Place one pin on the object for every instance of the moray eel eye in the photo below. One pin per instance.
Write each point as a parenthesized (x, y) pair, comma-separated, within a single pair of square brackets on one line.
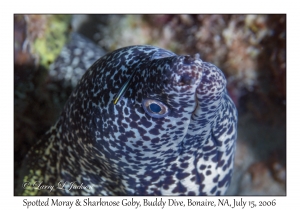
[(155, 108)]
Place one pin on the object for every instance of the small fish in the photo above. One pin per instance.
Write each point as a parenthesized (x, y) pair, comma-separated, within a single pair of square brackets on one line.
[(141, 121)]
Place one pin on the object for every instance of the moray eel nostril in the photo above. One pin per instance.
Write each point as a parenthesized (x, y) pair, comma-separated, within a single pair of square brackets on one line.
[(188, 60)]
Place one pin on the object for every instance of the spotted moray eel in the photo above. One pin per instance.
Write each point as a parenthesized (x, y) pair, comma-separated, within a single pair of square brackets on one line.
[(141, 121)]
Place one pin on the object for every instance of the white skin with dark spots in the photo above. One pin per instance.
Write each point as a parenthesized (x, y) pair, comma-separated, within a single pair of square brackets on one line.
[(123, 149)]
